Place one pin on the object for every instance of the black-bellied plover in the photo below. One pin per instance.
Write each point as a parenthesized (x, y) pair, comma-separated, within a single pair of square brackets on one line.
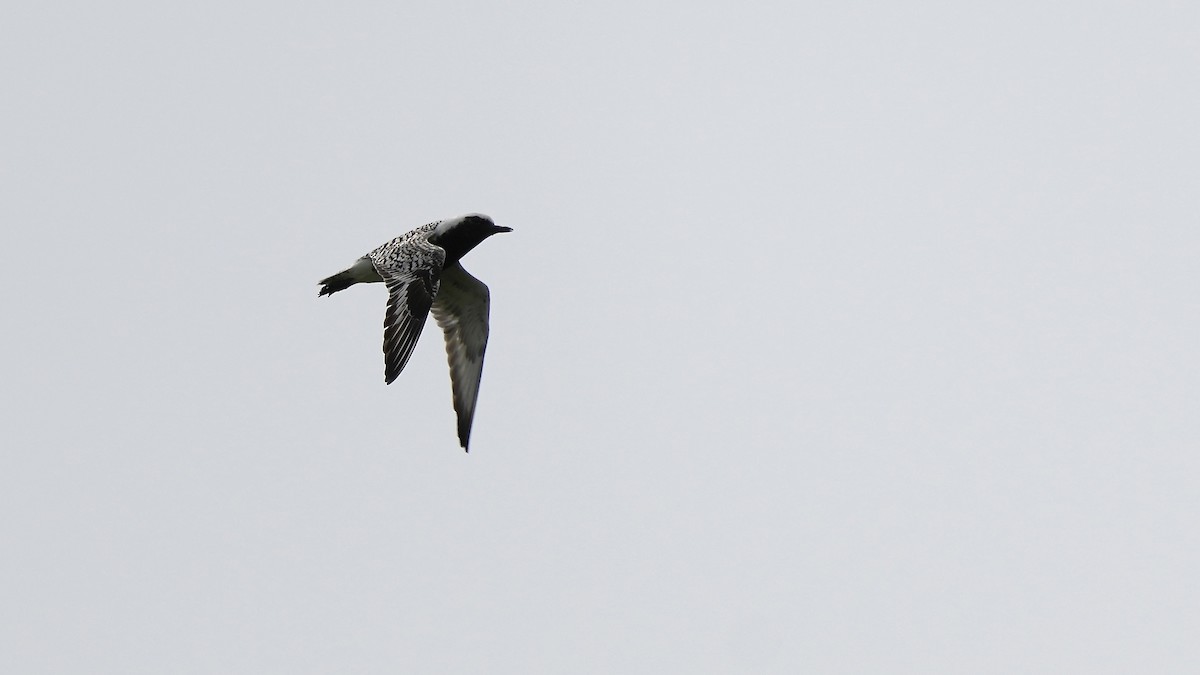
[(422, 272)]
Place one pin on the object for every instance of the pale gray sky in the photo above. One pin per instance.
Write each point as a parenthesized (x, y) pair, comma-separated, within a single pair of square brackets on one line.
[(833, 338)]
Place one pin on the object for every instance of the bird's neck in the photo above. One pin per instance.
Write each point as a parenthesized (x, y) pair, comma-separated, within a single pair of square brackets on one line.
[(456, 244)]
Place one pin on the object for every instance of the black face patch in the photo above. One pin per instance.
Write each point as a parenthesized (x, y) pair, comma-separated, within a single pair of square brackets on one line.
[(463, 236)]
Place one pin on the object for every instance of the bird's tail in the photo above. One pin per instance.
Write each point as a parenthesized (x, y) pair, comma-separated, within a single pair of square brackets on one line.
[(338, 282)]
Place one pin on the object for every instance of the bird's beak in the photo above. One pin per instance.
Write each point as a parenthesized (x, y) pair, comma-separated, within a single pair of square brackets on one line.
[(501, 228)]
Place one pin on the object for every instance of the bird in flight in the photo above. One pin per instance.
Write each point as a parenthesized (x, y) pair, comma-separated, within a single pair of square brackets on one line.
[(422, 272)]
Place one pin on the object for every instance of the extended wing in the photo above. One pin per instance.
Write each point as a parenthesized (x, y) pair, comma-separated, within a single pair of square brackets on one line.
[(411, 273), (461, 309)]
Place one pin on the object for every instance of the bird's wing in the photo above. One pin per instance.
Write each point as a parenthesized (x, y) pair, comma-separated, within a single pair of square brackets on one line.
[(461, 309), (411, 272)]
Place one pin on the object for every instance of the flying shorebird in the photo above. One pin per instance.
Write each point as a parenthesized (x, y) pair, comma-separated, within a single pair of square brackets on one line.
[(422, 274)]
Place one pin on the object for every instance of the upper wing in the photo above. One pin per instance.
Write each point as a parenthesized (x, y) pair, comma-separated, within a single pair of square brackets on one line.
[(411, 273), (461, 309)]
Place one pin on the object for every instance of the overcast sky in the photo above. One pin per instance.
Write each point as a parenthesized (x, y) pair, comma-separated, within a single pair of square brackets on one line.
[(840, 337)]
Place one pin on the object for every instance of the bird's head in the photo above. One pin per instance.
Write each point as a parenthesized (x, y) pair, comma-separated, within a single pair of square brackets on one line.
[(459, 235)]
